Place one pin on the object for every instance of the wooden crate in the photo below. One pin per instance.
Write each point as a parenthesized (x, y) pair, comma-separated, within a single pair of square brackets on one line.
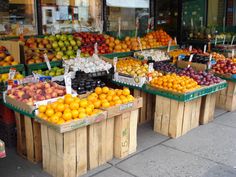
[(174, 118), (207, 108), (29, 143), (226, 99), (64, 154), (146, 112), (13, 48)]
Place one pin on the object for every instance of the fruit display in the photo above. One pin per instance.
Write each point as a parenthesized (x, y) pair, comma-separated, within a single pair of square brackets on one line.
[(104, 97), (83, 85), (55, 71), (161, 36), (89, 65), (87, 51), (226, 66), (156, 55), (67, 109), (218, 56), (5, 57), (64, 45), (166, 67), (197, 58), (4, 77), (154, 75), (132, 67), (33, 92), (202, 78), (175, 83)]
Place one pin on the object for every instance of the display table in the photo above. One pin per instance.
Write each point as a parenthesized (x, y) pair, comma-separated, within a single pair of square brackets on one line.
[(2, 149)]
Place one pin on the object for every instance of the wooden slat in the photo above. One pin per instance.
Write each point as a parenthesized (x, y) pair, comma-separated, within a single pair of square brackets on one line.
[(81, 148), (149, 110), (166, 116), (59, 154), (45, 147), (109, 138), (19, 135), (133, 131), (93, 146), (158, 114), (29, 138), (52, 152), (69, 154), (102, 143), (37, 142), (144, 108), (187, 117), (174, 110), (121, 146), (196, 113)]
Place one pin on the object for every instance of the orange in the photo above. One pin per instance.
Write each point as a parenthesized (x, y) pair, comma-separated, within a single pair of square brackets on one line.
[(125, 100), (74, 105), (75, 114), (105, 89), (42, 108), (102, 96), (81, 110), (60, 107), (94, 95), (117, 102), (83, 103), (82, 115), (112, 103), (49, 106), (91, 106), (89, 110), (54, 119), (59, 114), (67, 110), (41, 115), (105, 104), (66, 106), (111, 92), (109, 98), (69, 100), (115, 98), (49, 112), (91, 98), (126, 91), (61, 121), (98, 90), (60, 100), (67, 116), (97, 104), (67, 96), (76, 100), (119, 92), (54, 105), (130, 98)]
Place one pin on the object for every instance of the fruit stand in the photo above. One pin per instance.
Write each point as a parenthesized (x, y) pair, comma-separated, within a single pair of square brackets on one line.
[(2, 149)]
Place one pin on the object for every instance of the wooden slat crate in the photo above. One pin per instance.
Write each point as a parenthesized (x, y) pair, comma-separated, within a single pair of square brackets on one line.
[(64, 154), (29, 143), (174, 118), (226, 99), (207, 108), (147, 111)]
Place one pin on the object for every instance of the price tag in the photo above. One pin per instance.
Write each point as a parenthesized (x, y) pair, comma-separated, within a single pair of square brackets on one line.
[(232, 41), (190, 60), (67, 68), (96, 48), (233, 52), (169, 45), (115, 59), (140, 44), (119, 26), (175, 39), (216, 40), (12, 73), (224, 40), (205, 48), (190, 48), (209, 63), (67, 78), (78, 53), (47, 61), (150, 67)]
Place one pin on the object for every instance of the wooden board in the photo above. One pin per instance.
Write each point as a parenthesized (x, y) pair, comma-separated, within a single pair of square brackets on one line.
[(174, 118), (207, 108), (110, 123), (133, 131)]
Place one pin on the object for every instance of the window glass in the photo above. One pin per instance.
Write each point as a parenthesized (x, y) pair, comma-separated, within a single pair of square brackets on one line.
[(16, 17), (71, 15)]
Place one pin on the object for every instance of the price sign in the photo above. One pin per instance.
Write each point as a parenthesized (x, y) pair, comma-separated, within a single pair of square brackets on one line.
[(119, 26), (190, 60), (96, 48), (169, 45), (233, 53), (232, 41), (209, 63), (12, 73), (205, 48), (140, 44), (47, 61), (224, 40), (216, 40), (190, 48), (67, 78), (150, 67), (115, 59)]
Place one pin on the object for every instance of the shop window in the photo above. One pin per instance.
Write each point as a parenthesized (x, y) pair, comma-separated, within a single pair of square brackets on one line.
[(71, 15), (17, 17)]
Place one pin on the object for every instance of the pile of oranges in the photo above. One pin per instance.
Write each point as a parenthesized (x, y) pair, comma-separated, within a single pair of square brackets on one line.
[(67, 109), (106, 97), (161, 36), (175, 83)]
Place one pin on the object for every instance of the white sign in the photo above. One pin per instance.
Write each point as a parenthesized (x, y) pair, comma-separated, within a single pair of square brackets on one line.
[(47, 61), (129, 4)]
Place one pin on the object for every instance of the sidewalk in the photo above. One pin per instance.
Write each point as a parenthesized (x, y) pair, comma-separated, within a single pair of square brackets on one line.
[(207, 151)]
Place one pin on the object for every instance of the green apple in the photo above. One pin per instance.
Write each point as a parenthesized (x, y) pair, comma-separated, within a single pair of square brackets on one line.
[(54, 44), (58, 36), (63, 49), (70, 52), (75, 48), (72, 42), (61, 44), (63, 37), (65, 57), (57, 49), (67, 43), (48, 46), (70, 48), (78, 43)]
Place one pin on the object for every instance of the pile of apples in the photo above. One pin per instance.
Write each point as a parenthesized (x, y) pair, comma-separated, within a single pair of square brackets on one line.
[(5, 57), (226, 66), (35, 48), (34, 92)]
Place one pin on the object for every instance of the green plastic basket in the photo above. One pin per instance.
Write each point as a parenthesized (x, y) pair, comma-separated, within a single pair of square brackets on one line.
[(20, 68), (32, 67)]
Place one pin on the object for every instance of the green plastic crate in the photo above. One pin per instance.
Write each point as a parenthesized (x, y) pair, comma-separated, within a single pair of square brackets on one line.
[(32, 67), (20, 68)]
